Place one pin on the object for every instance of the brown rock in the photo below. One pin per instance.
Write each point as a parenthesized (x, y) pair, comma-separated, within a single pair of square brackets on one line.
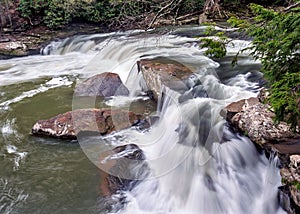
[(103, 85), (256, 121), (163, 71), (239, 106), (69, 124)]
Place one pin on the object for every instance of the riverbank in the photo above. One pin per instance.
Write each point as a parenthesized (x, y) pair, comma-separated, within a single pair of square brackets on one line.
[(30, 42)]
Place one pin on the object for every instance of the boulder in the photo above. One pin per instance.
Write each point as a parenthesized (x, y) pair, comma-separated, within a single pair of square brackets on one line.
[(162, 71), (237, 107), (102, 85), (69, 124), (255, 119)]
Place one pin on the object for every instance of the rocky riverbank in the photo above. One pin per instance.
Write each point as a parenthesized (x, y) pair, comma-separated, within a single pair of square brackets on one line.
[(254, 119)]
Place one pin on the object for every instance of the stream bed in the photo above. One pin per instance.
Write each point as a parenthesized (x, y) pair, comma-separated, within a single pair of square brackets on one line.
[(198, 164)]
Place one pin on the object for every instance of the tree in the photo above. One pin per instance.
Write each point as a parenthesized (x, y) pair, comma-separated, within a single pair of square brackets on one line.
[(276, 43)]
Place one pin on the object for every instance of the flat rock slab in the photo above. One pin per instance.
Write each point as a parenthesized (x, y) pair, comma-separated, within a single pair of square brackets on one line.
[(102, 85), (161, 71), (69, 124)]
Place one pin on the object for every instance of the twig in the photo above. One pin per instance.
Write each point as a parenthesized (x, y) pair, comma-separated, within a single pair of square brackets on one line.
[(185, 21), (188, 15), (291, 7)]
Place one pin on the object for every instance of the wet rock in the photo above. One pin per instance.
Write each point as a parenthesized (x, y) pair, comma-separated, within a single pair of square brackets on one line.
[(122, 168), (286, 201), (103, 85), (162, 71), (236, 107), (291, 179), (69, 124)]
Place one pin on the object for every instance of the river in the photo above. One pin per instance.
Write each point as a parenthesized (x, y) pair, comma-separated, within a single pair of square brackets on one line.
[(198, 165)]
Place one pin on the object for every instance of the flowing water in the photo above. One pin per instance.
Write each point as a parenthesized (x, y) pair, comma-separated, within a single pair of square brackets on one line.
[(197, 164)]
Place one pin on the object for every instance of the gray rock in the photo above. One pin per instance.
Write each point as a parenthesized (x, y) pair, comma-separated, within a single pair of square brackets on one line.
[(102, 85)]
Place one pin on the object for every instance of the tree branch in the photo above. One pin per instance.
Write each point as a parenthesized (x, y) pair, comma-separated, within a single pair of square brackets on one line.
[(291, 7), (159, 12)]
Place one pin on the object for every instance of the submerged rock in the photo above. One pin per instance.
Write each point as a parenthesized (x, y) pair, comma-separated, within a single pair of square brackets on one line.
[(121, 168), (161, 72), (69, 124), (103, 85)]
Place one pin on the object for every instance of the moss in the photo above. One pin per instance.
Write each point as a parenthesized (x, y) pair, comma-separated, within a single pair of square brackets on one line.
[(296, 184)]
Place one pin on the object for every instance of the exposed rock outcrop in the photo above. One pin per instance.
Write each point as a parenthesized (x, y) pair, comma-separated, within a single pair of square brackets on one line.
[(69, 124), (103, 85), (291, 179)]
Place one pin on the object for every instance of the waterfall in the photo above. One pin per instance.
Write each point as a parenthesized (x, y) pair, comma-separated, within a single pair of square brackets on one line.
[(197, 163)]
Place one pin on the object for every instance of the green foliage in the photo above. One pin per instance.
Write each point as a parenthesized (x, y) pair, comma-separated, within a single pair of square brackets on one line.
[(294, 183), (285, 94), (276, 43), (216, 47), (55, 13), (29, 8)]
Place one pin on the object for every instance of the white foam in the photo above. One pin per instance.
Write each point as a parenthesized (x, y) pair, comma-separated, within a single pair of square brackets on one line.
[(17, 156), (119, 101)]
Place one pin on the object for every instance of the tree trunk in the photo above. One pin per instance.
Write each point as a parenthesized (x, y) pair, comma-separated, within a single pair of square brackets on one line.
[(2, 17), (8, 12), (211, 7)]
